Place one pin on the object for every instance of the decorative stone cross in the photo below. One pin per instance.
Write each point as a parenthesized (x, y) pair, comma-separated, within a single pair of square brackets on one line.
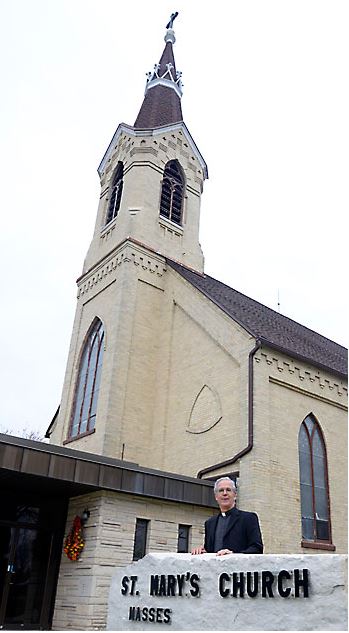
[(172, 19)]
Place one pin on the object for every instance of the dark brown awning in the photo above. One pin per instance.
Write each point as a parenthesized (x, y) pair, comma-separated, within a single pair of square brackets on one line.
[(49, 469)]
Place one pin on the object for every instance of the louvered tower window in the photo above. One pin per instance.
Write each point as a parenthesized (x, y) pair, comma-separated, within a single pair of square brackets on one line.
[(171, 202), (115, 194), (88, 381), (315, 503)]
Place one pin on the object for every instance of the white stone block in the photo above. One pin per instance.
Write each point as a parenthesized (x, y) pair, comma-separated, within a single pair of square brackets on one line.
[(165, 591)]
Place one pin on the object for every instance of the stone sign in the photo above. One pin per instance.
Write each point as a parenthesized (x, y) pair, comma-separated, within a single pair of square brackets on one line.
[(165, 591)]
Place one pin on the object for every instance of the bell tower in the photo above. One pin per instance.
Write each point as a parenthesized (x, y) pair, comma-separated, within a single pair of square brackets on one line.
[(152, 176)]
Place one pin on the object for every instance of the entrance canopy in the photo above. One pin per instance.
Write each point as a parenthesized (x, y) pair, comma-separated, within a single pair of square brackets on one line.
[(46, 468)]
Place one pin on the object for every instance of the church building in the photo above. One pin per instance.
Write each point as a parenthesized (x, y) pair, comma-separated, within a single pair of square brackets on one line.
[(173, 379)]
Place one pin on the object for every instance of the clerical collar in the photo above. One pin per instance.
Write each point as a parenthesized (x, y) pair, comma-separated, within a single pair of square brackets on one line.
[(226, 514)]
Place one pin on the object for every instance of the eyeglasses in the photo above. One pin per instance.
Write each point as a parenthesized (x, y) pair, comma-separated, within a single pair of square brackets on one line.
[(221, 490)]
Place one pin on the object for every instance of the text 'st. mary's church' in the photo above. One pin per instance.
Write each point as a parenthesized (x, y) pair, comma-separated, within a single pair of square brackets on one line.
[(173, 379)]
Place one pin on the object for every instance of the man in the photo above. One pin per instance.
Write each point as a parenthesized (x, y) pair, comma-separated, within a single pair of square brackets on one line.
[(233, 531)]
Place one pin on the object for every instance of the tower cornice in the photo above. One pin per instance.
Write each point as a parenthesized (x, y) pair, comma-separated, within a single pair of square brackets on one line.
[(151, 132)]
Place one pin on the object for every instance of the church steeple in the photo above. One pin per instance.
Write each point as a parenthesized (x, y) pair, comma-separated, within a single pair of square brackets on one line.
[(152, 176), (162, 100)]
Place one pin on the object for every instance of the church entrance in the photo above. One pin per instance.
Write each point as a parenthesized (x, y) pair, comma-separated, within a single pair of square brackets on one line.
[(30, 548)]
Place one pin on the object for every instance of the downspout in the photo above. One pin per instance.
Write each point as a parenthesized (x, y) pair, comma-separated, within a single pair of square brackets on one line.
[(249, 446)]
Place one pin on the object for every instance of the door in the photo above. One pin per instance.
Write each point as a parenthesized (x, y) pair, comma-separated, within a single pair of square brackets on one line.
[(25, 553), (31, 533)]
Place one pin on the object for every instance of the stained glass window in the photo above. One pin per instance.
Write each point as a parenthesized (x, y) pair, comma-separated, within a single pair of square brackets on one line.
[(88, 382), (313, 482)]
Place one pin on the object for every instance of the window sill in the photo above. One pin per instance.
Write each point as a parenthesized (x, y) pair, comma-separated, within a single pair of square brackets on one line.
[(78, 437), (319, 545), (172, 226), (108, 227)]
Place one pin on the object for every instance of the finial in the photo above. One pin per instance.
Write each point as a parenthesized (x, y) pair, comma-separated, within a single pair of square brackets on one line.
[(165, 72), (170, 35), (172, 19)]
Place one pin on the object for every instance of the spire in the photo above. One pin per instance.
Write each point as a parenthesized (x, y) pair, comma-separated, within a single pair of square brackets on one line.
[(163, 91)]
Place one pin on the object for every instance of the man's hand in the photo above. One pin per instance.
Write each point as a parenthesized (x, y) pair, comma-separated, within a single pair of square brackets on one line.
[(223, 552), (198, 550)]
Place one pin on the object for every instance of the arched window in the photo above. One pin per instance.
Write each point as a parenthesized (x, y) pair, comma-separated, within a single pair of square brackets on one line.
[(171, 202), (88, 381), (115, 193), (315, 504)]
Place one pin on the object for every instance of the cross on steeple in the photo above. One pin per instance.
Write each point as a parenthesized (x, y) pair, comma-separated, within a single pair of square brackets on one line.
[(162, 100), (172, 19)]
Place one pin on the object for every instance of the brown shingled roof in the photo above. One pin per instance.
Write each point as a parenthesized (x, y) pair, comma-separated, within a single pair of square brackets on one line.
[(161, 104), (272, 328)]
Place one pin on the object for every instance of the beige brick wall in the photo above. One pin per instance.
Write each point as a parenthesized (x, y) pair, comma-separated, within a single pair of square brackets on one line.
[(83, 586), (168, 354), (174, 358), (285, 393), (203, 353), (106, 305), (173, 364)]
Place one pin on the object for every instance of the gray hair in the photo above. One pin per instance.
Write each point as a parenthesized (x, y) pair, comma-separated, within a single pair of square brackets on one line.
[(232, 483)]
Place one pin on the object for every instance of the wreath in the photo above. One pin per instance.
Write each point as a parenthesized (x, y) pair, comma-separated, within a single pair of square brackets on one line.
[(74, 542)]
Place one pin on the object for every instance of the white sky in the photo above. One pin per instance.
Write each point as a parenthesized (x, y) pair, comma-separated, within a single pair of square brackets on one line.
[(266, 100)]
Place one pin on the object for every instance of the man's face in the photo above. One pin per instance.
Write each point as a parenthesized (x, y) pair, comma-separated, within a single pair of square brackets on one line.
[(225, 495)]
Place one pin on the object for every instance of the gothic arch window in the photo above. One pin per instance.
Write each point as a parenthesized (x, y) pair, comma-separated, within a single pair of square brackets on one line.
[(171, 202), (115, 193), (315, 503), (88, 382)]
